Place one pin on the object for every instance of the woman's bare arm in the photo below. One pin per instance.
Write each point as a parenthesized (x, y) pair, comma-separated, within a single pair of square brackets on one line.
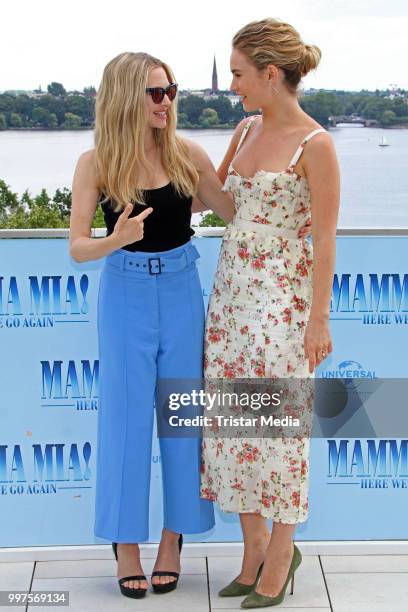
[(210, 187), (322, 171), (198, 205), (85, 197)]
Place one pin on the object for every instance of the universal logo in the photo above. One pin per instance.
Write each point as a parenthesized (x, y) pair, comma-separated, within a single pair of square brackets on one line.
[(349, 370)]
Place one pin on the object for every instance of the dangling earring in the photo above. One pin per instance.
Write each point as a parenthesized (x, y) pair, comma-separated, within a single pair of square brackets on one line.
[(274, 89)]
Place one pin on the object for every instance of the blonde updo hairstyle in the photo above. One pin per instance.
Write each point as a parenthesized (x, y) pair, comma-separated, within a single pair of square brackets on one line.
[(271, 41)]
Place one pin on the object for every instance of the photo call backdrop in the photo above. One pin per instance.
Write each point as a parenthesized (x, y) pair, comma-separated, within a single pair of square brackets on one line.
[(49, 396)]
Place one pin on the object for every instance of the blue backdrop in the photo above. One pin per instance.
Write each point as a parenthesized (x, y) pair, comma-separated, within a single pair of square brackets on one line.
[(49, 396)]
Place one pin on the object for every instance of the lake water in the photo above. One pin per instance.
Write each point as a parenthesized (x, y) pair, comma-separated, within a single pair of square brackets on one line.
[(374, 179)]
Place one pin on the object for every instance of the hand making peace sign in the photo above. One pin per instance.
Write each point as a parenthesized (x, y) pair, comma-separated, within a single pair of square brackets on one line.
[(131, 230)]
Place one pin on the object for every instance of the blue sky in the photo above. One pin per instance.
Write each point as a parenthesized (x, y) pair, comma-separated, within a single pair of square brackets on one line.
[(364, 42)]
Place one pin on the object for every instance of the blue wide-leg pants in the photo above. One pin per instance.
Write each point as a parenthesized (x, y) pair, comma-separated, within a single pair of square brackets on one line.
[(150, 326)]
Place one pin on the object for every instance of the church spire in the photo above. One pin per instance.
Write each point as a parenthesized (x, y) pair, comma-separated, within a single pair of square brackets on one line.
[(214, 87)]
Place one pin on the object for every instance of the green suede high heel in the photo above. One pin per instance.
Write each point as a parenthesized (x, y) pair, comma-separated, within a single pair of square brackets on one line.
[(256, 600), (235, 588)]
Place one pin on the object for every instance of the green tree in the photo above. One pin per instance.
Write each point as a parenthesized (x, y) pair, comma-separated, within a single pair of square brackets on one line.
[(53, 121), (321, 105), (211, 220), (349, 108), (40, 116), (6, 103), (374, 107), (182, 121), (387, 117), (8, 202), (3, 122), (399, 107), (81, 106), (223, 107), (71, 121), (62, 200), (208, 118), (28, 212), (238, 112), (16, 120), (23, 105), (400, 121), (40, 211), (55, 106), (192, 106), (56, 89), (90, 90), (99, 218)]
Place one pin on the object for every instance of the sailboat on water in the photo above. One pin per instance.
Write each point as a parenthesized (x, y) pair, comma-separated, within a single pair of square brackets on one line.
[(383, 142)]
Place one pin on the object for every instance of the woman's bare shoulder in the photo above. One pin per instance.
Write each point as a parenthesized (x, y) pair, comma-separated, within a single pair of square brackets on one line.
[(319, 149), (87, 158), (243, 123), (197, 153)]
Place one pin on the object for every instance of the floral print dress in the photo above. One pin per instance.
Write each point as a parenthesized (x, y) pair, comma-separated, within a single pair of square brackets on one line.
[(256, 319)]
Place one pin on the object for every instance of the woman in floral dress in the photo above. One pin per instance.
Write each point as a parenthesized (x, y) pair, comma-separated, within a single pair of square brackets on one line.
[(268, 314)]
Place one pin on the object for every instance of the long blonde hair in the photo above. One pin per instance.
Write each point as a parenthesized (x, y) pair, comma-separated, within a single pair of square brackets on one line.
[(271, 41), (120, 129)]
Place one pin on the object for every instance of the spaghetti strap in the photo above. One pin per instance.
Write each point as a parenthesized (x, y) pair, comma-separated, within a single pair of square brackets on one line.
[(300, 148), (245, 132)]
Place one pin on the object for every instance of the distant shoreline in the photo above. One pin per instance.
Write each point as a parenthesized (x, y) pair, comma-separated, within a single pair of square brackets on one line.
[(90, 129), (402, 126)]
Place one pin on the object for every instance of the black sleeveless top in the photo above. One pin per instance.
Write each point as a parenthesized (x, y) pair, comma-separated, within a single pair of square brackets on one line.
[(167, 227)]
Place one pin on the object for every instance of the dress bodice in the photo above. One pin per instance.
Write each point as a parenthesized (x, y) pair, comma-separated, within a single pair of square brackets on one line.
[(279, 199)]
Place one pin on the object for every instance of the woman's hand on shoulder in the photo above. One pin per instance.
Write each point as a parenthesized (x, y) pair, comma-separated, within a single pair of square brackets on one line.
[(232, 147)]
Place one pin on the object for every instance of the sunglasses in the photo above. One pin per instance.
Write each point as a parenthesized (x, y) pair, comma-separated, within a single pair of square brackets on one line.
[(158, 93)]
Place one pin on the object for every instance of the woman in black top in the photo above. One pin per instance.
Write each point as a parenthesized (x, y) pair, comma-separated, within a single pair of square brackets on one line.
[(166, 227), (150, 306)]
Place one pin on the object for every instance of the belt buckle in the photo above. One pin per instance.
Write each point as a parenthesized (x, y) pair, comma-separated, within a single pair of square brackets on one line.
[(150, 265)]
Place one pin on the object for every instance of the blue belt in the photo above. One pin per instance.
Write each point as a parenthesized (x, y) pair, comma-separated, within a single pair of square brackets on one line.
[(148, 264)]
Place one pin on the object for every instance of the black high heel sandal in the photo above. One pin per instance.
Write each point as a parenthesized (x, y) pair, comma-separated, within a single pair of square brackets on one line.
[(128, 591), (170, 586)]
